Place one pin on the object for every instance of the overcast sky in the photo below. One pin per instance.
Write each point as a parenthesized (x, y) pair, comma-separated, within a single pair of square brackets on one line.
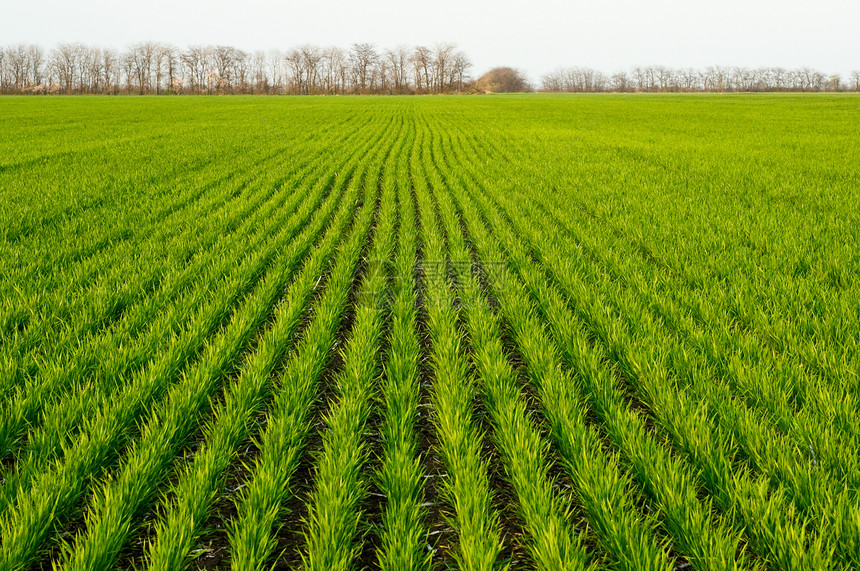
[(534, 35)]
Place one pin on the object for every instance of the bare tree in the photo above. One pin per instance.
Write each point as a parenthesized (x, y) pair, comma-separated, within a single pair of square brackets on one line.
[(258, 72), (806, 78), (140, 57), (159, 68), (16, 60), (65, 61), (735, 79), (834, 83), (91, 70), (776, 78), (189, 61), (460, 66), (383, 82), (620, 82), (363, 58), (687, 79), (398, 60), (224, 59), (442, 56), (639, 78), (422, 65), (664, 78), (242, 72), (126, 65), (335, 69), (36, 57), (4, 86), (196, 61), (818, 80), (295, 67), (855, 80), (276, 69), (110, 71), (166, 64), (720, 78), (311, 61)]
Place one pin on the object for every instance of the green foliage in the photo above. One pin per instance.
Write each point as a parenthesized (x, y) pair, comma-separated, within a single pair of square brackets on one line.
[(553, 332)]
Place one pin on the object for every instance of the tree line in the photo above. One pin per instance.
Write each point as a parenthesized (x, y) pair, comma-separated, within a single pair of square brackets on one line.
[(152, 68), (158, 68), (713, 79)]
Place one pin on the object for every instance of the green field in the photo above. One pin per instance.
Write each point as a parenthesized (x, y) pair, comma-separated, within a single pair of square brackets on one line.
[(553, 332)]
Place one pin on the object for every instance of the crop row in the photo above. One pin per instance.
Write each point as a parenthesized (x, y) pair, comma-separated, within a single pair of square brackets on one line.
[(483, 333)]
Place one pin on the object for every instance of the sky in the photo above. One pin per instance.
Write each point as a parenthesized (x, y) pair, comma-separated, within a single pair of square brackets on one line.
[(536, 36)]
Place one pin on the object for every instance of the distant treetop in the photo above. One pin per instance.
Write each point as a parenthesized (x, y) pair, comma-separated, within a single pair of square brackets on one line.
[(503, 80)]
